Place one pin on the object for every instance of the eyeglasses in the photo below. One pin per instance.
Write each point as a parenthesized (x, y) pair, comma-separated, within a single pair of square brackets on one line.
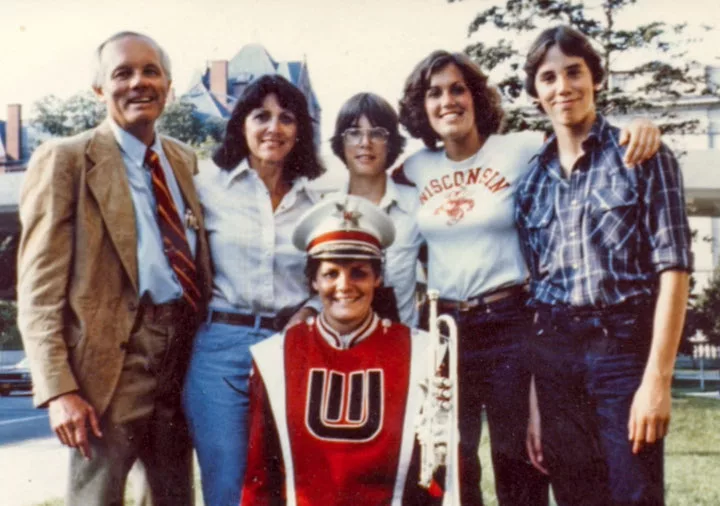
[(354, 136)]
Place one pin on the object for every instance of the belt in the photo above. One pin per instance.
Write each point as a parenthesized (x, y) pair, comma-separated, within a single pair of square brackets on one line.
[(168, 313), (245, 320), (636, 305), (481, 300)]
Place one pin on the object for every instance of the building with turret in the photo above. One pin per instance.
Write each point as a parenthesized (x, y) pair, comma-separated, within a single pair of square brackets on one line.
[(215, 91)]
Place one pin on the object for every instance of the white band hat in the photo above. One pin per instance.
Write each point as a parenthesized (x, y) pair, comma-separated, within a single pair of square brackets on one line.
[(344, 226)]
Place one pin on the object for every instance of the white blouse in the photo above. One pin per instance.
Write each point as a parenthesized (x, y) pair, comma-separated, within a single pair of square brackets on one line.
[(256, 267)]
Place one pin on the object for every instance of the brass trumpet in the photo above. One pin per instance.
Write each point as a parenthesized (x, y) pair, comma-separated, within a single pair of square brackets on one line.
[(436, 425)]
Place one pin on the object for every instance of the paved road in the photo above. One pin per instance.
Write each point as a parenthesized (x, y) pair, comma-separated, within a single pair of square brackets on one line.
[(33, 464), (20, 421)]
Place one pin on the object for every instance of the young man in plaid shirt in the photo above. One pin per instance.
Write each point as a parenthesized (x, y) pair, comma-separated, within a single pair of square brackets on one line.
[(608, 248)]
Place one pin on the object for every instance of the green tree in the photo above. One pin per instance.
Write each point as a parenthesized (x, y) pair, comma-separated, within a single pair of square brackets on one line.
[(659, 81), (49, 116), (180, 121), (83, 111), (706, 310), (9, 333), (70, 116), (8, 254), (692, 320), (206, 148)]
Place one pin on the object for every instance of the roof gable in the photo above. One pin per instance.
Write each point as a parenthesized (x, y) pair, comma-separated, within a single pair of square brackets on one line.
[(252, 59), (204, 101)]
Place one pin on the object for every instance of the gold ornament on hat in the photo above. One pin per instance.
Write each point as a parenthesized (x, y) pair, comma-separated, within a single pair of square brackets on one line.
[(350, 218), (344, 226)]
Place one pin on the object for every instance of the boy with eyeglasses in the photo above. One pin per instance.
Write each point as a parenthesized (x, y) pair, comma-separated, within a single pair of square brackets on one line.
[(368, 141)]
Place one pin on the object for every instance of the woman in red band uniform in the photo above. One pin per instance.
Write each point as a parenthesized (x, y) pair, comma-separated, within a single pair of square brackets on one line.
[(333, 399), (466, 188)]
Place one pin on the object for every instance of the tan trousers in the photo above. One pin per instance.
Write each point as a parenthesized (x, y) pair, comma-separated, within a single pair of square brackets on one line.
[(144, 420)]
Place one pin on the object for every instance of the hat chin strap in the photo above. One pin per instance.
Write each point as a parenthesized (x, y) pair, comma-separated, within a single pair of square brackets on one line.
[(346, 256), (342, 249)]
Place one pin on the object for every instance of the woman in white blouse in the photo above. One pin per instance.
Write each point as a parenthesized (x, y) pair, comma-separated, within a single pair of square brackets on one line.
[(252, 197)]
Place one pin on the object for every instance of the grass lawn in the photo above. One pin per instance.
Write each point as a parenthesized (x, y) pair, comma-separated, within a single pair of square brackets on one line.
[(692, 453), (692, 456)]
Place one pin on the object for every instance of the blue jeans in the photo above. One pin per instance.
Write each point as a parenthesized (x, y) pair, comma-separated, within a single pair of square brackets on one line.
[(216, 402), (492, 374), (587, 367)]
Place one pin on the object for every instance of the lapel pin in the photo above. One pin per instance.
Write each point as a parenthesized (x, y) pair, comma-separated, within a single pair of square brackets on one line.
[(191, 221)]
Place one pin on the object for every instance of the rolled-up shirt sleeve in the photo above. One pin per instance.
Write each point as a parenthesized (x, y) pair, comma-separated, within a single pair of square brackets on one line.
[(666, 218)]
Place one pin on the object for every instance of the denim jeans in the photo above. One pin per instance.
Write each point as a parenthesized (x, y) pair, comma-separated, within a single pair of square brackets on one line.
[(216, 403), (492, 374), (587, 367)]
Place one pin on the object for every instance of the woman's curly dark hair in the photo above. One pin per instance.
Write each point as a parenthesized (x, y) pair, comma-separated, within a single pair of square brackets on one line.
[(486, 99), (302, 159)]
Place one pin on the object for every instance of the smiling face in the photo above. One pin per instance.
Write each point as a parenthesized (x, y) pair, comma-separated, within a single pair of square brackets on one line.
[(134, 85), (367, 157), (346, 290), (449, 105), (270, 132), (566, 90)]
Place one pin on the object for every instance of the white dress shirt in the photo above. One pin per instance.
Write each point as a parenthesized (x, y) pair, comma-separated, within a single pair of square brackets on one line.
[(400, 272), (155, 276), (256, 267)]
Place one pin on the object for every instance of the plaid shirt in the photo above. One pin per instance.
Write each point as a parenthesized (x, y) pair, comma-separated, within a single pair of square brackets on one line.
[(601, 236)]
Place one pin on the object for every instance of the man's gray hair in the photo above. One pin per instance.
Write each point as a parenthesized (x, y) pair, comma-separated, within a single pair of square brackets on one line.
[(97, 59)]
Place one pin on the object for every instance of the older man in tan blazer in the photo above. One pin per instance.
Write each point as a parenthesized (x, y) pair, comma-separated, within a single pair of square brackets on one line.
[(108, 298)]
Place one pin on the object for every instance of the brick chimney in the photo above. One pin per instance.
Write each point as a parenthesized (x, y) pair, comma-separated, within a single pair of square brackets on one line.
[(13, 132), (219, 80)]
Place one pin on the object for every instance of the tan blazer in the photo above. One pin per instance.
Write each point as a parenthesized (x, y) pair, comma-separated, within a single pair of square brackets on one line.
[(77, 262)]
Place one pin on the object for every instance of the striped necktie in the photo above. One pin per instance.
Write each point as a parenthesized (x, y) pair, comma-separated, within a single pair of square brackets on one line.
[(172, 231)]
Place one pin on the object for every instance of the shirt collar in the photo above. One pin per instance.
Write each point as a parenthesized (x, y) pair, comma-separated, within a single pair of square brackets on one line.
[(243, 169), (391, 196), (597, 132), (345, 341), (131, 145), (599, 129), (240, 171)]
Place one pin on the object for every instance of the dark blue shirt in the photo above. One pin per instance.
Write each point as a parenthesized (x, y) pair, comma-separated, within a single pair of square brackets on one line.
[(601, 236)]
